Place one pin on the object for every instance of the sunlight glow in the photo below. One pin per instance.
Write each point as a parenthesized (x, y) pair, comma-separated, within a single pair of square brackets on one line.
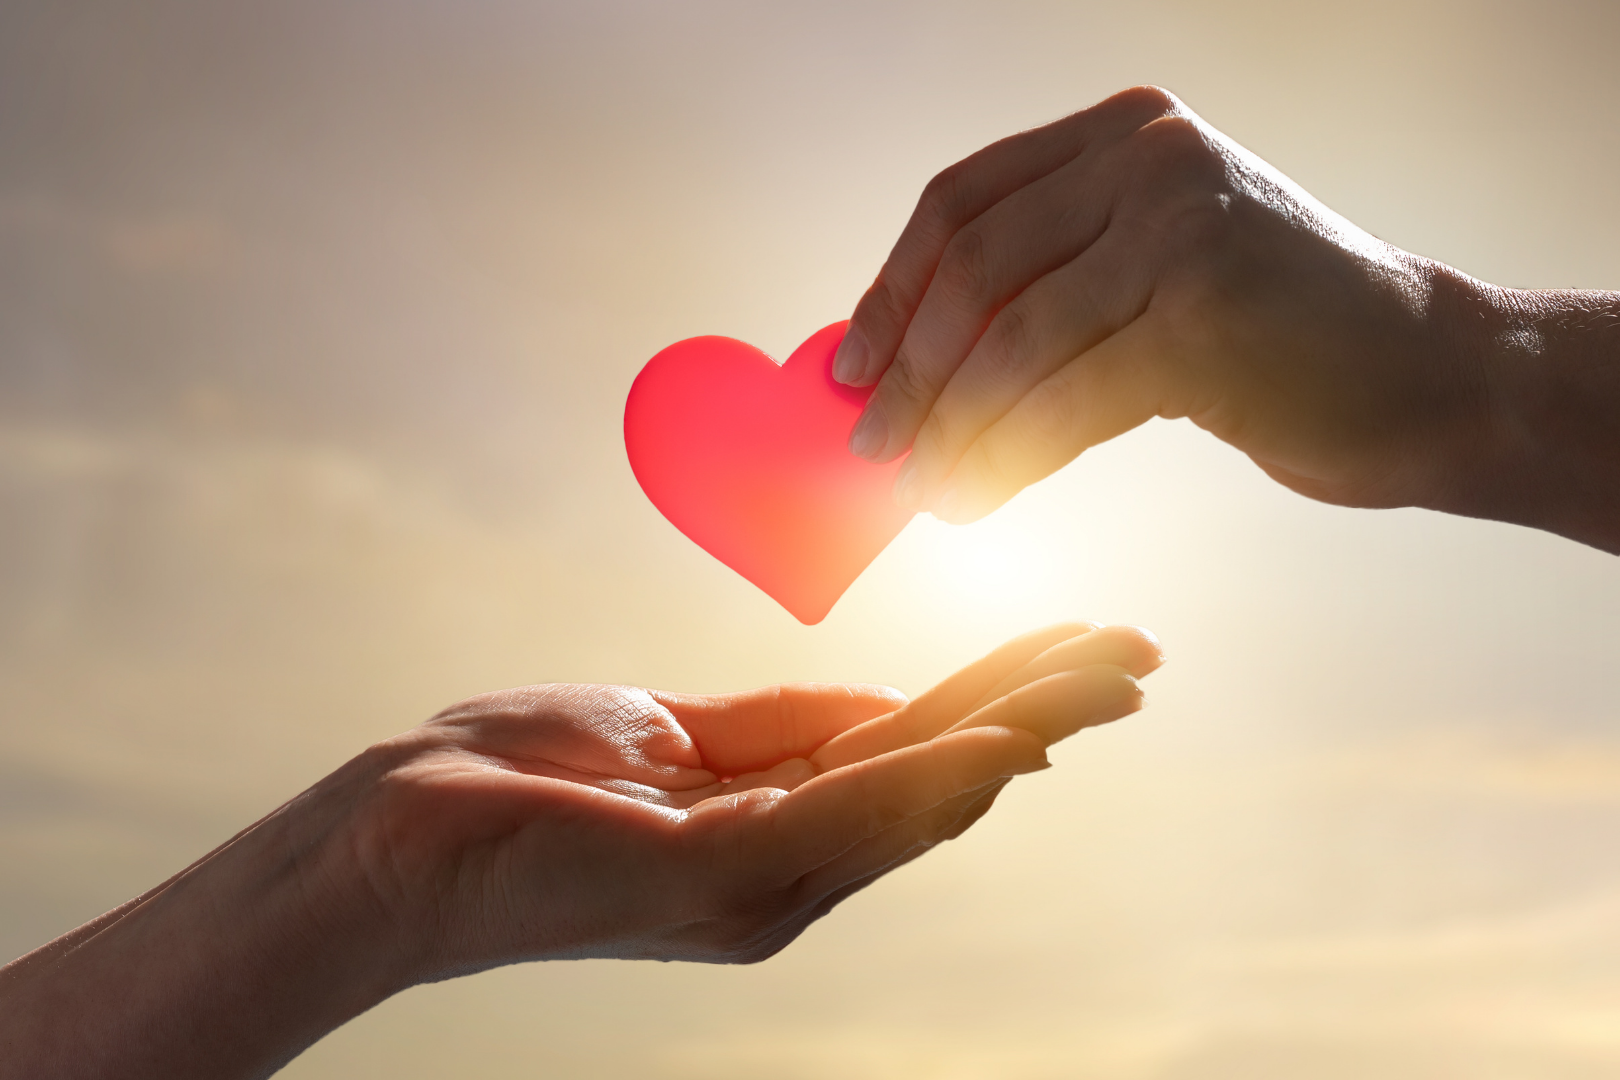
[(1003, 558)]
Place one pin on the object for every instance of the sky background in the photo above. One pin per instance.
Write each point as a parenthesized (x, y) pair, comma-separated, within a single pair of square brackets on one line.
[(316, 322)]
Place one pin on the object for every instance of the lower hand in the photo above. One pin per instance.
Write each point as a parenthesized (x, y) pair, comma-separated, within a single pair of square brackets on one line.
[(617, 822), (548, 822)]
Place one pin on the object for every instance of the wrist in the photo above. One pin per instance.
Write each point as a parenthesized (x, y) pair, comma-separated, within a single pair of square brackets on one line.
[(1544, 447), (323, 924), (230, 969)]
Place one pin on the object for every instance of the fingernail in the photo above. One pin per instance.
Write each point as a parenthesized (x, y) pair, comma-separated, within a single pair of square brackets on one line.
[(1030, 765), (945, 505), (1153, 639), (849, 364), (908, 487), (1129, 699), (870, 434)]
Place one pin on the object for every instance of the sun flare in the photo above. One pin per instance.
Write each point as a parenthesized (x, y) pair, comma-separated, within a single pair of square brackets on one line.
[(1000, 558)]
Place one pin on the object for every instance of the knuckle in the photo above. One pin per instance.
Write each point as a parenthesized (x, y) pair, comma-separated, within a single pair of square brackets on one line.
[(880, 306), (964, 269), (1154, 100), (934, 439), (945, 198), (1137, 105), (906, 380), (1054, 411), (1177, 145), (1010, 343), (981, 465)]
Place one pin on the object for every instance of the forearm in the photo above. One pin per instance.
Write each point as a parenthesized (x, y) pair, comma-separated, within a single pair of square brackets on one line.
[(227, 970), (1550, 456)]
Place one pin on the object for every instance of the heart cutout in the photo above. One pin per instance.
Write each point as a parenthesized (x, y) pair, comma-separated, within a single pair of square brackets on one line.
[(750, 460)]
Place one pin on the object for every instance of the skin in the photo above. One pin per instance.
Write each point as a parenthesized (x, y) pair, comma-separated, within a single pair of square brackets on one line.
[(1066, 284), (549, 822)]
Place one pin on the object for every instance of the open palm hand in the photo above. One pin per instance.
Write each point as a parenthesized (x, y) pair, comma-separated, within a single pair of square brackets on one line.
[(573, 821), (549, 822)]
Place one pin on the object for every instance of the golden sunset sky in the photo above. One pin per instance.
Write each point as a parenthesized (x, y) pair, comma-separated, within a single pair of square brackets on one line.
[(316, 322)]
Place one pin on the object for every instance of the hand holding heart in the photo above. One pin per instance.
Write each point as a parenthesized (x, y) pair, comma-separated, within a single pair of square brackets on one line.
[(1070, 282), (550, 822)]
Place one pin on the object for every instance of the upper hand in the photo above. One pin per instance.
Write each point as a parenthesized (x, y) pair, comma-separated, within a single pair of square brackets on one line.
[(1064, 285)]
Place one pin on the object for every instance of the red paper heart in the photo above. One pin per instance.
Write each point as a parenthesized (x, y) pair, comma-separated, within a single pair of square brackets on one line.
[(751, 461)]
